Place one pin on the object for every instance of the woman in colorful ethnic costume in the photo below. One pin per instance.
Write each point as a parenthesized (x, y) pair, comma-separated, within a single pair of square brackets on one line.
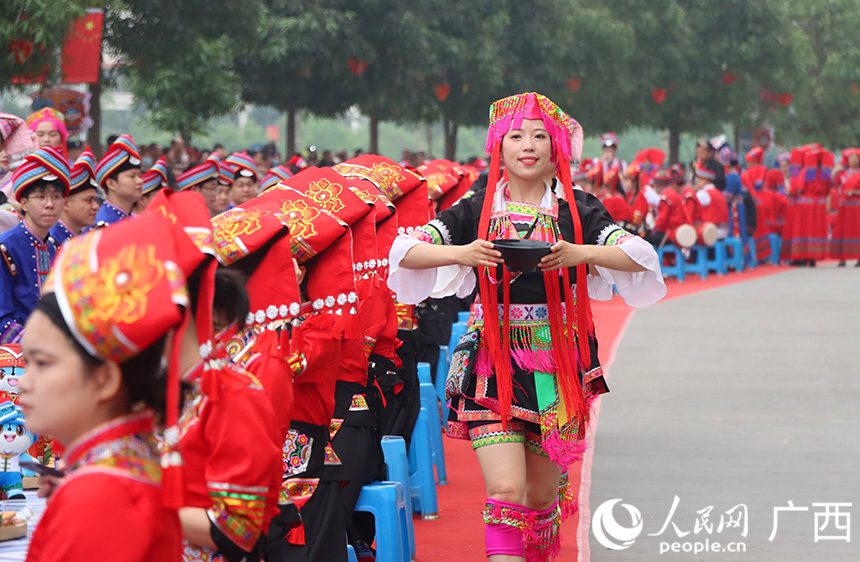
[(845, 243), (525, 409), (95, 380)]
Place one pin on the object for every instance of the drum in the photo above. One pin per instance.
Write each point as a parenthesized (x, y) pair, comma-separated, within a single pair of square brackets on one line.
[(685, 236), (707, 234)]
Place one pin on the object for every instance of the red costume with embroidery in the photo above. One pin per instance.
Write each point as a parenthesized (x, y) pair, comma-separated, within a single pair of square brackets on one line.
[(692, 206), (109, 506), (231, 457), (809, 240), (717, 211), (846, 231), (670, 213)]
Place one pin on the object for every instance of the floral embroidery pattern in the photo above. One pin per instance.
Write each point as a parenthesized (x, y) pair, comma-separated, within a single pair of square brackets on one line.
[(118, 294), (297, 452), (228, 228), (326, 194), (299, 217)]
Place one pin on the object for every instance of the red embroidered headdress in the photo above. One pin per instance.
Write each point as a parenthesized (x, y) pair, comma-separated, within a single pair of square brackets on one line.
[(255, 238), (119, 290), (320, 239), (195, 251), (404, 188)]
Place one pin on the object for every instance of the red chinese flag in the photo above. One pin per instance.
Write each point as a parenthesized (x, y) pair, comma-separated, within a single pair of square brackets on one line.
[(82, 50)]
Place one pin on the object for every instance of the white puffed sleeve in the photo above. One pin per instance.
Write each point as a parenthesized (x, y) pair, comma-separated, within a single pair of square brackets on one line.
[(640, 288), (412, 286)]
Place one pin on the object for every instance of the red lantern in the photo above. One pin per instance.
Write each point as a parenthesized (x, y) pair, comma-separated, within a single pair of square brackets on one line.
[(855, 88), (729, 78), (357, 66), (786, 98), (659, 95), (574, 84), (442, 91), (22, 49)]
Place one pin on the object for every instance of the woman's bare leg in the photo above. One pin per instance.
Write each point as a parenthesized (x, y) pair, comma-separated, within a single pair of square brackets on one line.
[(504, 468), (542, 478)]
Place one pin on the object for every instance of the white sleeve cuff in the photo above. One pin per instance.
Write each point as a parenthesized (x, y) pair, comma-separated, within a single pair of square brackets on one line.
[(412, 286), (641, 288)]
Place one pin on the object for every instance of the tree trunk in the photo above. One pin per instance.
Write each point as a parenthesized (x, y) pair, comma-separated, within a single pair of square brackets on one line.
[(94, 133), (450, 139), (674, 143), (374, 132), (291, 131)]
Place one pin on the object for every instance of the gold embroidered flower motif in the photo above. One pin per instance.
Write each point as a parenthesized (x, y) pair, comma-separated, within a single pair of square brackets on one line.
[(389, 172), (228, 227), (123, 284), (326, 194), (299, 217)]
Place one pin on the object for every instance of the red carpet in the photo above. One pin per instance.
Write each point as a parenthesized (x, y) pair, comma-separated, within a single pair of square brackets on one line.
[(458, 534)]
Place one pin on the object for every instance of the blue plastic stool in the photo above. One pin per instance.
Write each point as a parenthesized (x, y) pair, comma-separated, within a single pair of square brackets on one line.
[(717, 264), (735, 258), (387, 502), (752, 257), (457, 331), (699, 263), (775, 248), (350, 554), (397, 465), (437, 453), (422, 482), (424, 373), (441, 377), (463, 316), (676, 270)]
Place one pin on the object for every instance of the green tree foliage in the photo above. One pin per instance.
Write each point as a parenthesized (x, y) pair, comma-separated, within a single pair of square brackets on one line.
[(826, 104), (699, 64), (31, 37), (793, 64), (178, 56), (394, 39), (298, 59)]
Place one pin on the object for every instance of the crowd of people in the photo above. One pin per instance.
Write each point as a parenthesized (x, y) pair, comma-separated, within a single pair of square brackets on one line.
[(808, 200), (216, 343)]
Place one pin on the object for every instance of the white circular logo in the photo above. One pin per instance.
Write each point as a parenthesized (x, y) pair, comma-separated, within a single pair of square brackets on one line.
[(609, 533)]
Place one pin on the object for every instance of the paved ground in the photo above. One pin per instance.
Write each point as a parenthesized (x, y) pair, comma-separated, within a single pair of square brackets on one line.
[(747, 394)]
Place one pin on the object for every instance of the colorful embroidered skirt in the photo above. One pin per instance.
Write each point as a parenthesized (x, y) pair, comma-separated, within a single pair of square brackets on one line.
[(536, 396)]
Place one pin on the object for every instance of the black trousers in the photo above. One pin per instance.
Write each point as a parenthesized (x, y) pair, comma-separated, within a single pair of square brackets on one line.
[(324, 526)]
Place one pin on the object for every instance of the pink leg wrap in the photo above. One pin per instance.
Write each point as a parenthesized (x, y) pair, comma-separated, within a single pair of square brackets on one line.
[(504, 527), (503, 539), (542, 537)]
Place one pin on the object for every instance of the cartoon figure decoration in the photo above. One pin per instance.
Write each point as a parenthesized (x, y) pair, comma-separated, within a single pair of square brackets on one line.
[(14, 442), (11, 370)]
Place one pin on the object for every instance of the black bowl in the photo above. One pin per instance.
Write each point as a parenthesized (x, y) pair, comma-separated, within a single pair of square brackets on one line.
[(522, 255)]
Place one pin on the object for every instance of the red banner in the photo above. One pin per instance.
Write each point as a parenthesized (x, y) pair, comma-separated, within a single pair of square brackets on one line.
[(82, 50)]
